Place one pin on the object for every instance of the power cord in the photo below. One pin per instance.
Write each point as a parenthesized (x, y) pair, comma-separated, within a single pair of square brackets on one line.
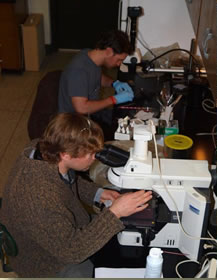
[(147, 65), (172, 50), (210, 246), (207, 107), (213, 134), (203, 264), (185, 261)]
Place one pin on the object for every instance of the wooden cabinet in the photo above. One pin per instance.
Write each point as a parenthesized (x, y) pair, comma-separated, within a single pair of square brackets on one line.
[(203, 18), (207, 41), (12, 15), (194, 7)]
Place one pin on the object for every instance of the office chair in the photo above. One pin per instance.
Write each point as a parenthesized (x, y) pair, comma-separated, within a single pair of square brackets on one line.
[(8, 247), (45, 104)]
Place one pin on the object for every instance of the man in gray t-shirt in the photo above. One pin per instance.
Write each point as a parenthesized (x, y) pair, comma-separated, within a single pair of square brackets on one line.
[(82, 79), (79, 81)]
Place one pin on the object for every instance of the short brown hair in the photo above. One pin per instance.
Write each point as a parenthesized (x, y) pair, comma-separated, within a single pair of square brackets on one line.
[(115, 39), (72, 133)]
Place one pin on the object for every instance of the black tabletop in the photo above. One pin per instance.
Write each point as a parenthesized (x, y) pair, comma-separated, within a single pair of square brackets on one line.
[(114, 255)]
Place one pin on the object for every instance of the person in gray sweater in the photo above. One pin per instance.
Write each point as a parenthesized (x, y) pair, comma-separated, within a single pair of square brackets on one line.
[(44, 200)]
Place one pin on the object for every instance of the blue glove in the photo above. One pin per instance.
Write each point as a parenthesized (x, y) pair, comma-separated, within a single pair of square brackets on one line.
[(124, 96), (120, 86)]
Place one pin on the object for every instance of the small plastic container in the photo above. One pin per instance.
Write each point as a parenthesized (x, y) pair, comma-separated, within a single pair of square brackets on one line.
[(177, 146), (154, 263)]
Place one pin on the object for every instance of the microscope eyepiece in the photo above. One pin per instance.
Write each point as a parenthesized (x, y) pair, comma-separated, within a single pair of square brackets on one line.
[(112, 156)]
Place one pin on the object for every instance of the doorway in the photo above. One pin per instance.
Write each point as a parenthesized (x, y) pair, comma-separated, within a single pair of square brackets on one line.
[(77, 24)]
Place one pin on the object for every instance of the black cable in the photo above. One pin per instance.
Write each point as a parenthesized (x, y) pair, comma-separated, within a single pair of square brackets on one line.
[(172, 50), (146, 65)]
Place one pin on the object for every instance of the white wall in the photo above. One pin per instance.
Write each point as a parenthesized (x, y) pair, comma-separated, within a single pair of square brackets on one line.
[(42, 7), (164, 21)]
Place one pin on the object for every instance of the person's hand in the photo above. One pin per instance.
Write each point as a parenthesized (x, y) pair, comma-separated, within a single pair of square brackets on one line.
[(109, 195), (130, 203), (121, 86), (123, 97)]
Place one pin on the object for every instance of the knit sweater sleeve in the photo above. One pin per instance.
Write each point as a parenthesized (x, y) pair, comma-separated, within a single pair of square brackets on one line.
[(74, 244)]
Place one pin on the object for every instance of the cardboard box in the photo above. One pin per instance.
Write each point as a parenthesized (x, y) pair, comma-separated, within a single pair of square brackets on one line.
[(33, 42)]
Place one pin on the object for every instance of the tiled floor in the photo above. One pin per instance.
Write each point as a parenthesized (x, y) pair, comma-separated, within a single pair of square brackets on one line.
[(17, 93)]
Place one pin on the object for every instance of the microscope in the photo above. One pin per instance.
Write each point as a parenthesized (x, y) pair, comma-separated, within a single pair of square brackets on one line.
[(178, 215)]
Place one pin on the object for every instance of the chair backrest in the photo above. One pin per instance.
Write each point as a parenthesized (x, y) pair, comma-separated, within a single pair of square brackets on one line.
[(8, 247), (45, 104), (7, 242)]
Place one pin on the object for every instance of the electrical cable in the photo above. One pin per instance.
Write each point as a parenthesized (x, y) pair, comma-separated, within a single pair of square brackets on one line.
[(205, 263), (202, 267), (212, 237), (203, 133), (150, 65), (185, 261), (210, 253), (206, 106), (213, 134), (172, 50)]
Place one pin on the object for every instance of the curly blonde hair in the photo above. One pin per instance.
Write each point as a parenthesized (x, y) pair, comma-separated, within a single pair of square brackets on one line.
[(72, 133)]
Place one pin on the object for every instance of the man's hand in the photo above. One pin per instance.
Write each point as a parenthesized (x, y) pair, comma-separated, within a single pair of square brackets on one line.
[(120, 87), (124, 92), (109, 195), (123, 97), (130, 203)]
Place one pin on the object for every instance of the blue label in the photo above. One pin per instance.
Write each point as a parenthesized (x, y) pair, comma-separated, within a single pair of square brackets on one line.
[(195, 210)]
